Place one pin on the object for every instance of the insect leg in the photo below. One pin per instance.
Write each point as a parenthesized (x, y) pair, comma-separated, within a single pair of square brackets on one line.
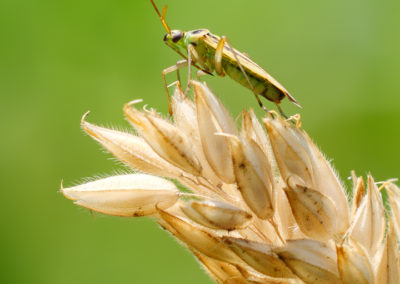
[(193, 58), (197, 58), (280, 110), (176, 67), (218, 57), (204, 70), (178, 75), (189, 63), (245, 74)]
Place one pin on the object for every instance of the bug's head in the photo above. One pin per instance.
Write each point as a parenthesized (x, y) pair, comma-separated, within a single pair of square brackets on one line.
[(174, 38), (171, 36)]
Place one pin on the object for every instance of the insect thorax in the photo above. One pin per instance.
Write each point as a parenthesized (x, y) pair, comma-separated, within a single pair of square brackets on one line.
[(192, 37)]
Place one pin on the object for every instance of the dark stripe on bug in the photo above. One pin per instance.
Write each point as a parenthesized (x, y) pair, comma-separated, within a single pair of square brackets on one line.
[(197, 31)]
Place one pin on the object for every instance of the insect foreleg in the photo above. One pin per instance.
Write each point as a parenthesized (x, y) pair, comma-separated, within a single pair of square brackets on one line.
[(176, 67), (245, 74)]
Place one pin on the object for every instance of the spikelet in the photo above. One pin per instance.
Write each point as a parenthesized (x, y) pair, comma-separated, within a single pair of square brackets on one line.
[(260, 207)]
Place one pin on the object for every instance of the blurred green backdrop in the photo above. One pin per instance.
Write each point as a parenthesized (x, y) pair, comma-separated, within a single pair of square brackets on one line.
[(60, 58)]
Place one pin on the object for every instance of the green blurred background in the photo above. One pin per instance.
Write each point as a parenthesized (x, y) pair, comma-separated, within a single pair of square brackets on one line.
[(61, 58)]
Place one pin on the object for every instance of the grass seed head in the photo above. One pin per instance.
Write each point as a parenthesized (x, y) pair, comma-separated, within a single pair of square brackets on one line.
[(263, 206)]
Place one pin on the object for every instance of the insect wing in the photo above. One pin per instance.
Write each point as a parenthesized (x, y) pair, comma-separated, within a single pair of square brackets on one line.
[(249, 66)]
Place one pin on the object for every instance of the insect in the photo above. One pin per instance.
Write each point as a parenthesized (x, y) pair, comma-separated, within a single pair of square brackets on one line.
[(210, 53)]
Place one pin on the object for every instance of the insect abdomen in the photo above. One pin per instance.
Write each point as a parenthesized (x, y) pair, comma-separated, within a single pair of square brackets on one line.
[(260, 85)]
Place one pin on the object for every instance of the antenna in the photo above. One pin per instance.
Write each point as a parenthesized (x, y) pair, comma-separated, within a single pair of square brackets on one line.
[(162, 17)]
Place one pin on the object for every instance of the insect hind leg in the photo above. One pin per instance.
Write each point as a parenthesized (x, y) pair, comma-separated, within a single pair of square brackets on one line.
[(281, 111), (224, 38), (176, 67), (260, 103)]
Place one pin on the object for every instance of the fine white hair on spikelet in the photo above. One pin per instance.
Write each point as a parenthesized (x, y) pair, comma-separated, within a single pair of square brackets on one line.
[(260, 204)]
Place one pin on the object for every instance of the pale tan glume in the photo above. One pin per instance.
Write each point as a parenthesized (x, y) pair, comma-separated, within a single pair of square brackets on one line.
[(263, 209)]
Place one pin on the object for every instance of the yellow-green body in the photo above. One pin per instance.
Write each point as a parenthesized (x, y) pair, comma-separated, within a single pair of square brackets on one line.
[(203, 47)]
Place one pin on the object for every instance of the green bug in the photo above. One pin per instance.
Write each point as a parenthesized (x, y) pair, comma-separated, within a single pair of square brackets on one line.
[(210, 53)]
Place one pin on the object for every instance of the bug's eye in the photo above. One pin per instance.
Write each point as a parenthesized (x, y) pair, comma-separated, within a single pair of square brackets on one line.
[(177, 36)]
